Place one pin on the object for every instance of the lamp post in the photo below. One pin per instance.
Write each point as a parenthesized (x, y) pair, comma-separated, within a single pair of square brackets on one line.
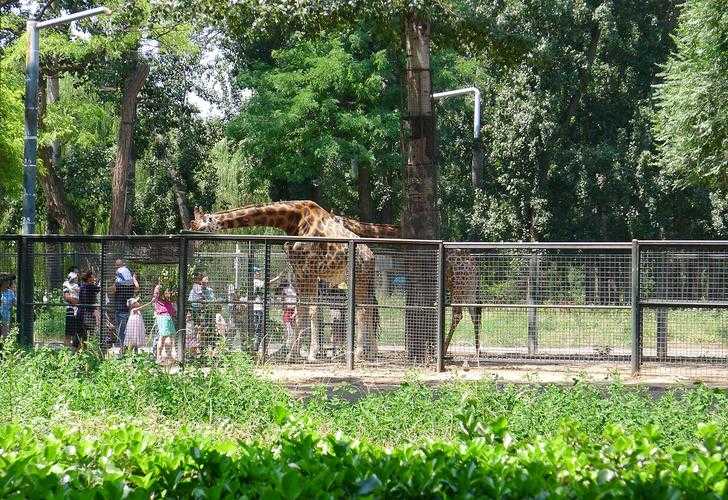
[(32, 69), (476, 173)]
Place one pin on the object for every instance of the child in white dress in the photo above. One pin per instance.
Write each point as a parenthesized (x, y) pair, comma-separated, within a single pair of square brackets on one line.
[(136, 335)]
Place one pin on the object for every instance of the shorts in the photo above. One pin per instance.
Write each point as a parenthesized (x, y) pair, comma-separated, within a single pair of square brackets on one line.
[(165, 325)]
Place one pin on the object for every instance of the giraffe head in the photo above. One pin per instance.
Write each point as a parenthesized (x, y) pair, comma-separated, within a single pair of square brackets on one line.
[(204, 222)]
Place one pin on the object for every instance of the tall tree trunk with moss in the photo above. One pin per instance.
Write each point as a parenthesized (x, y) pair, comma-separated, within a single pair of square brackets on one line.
[(121, 178), (419, 212)]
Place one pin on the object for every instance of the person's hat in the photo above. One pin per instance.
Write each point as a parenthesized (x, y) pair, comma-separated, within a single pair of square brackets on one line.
[(72, 276), (132, 301)]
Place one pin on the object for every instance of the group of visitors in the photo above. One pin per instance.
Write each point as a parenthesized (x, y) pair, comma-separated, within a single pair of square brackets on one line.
[(83, 315)]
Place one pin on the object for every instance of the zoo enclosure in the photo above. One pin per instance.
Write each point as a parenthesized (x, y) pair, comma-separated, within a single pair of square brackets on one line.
[(545, 303)]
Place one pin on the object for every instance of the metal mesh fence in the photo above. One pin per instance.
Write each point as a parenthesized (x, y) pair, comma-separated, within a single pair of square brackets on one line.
[(396, 304), (683, 293), (9, 269), (538, 303), (62, 314), (370, 302)]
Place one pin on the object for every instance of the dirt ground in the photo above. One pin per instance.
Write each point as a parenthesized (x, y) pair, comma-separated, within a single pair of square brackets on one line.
[(302, 379)]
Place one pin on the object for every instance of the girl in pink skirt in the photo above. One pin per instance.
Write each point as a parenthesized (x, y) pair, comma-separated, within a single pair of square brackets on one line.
[(136, 335)]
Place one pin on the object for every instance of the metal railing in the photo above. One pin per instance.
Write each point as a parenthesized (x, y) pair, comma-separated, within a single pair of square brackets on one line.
[(641, 306)]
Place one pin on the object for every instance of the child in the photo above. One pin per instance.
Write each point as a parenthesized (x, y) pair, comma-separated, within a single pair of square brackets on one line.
[(136, 336), (163, 311)]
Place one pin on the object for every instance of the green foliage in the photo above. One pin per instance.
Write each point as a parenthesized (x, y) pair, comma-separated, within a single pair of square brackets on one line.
[(487, 462), (692, 119), (313, 110), (11, 132)]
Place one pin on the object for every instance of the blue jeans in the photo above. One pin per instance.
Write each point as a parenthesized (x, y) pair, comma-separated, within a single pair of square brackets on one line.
[(121, 318)]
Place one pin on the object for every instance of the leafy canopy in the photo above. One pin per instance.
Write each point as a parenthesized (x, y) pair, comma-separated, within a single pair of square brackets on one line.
[(692, 120)]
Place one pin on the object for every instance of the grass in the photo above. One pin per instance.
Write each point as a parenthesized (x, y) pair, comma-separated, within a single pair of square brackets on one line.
[(46, 388)]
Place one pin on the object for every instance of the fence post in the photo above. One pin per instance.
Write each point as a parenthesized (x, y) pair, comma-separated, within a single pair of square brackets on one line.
[(25, 292), (249, 298), (351, 305), (182, 298), (266, 289), (532, 299), (441, 259), (102, 300), (636, 311)]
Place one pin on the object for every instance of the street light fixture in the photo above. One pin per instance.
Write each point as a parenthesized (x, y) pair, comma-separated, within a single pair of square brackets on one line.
[(32, 70), (475, 173)]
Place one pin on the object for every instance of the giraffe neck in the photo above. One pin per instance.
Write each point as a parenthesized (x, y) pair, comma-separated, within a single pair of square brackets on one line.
[(369, 230), (285, 216)]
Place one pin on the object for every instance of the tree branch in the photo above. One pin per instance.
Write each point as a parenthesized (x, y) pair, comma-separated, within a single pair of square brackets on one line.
[(43, 10)]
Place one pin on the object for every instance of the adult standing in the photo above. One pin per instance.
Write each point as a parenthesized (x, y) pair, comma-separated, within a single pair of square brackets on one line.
[(71, 291), (88, 308), (124, 287)]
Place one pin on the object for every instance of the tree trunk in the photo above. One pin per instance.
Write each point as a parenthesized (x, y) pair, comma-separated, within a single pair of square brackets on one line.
[(120, 218), (364, 186), (180, 193), (419, 210), (58, 208)]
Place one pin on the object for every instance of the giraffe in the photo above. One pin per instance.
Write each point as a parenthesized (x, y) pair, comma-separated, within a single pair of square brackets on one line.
[(310, 262), (461, 277)]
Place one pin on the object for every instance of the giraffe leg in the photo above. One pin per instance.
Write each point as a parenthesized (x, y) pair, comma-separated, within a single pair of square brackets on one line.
[(294, 352), (457, 315)]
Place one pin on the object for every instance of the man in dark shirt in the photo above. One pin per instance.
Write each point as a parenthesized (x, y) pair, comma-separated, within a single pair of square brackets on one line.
[(88, 307), (123, 290)]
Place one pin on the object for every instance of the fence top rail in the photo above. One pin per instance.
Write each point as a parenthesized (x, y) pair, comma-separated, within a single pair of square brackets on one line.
[(191, 235), (540, 245), (683, 243), (97, 238)]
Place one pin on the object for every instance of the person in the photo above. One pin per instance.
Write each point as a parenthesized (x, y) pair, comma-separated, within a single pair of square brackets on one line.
[(289, 313), (136, 335), (123, 289), (88, 310), (258, 315), (124, 276), (71, 291), (7, 302), (194, 299), (164, 310)]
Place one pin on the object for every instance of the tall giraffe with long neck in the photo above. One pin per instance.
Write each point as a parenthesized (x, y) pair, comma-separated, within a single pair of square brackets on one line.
[(461, 277), (310, 262)]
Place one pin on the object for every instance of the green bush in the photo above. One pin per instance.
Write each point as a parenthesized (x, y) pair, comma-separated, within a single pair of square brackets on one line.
[(485, 462)]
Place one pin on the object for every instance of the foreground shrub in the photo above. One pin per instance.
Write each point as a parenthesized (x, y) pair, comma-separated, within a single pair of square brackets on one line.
[(484, 461)]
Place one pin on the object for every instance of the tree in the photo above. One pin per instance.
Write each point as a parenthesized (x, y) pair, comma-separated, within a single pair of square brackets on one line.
[(412, 27), (691, 124), (319, 109)]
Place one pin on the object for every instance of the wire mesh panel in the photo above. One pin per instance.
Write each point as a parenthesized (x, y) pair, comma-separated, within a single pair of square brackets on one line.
[(9, 273), (225, 296), (538, 303), (282, 300), (684, 296), (396, 303), (140, 281), (65, 304)]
